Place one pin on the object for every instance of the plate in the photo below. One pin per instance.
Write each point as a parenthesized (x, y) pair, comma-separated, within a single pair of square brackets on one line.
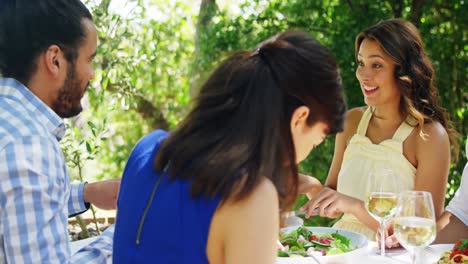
[(294, 222), (357, 240), (432, 253)]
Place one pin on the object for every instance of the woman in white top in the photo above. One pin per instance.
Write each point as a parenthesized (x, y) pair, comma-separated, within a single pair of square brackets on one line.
[(403, 127)]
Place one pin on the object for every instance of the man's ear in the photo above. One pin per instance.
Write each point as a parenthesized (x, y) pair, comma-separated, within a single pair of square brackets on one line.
[(299, 118), (53, 60)]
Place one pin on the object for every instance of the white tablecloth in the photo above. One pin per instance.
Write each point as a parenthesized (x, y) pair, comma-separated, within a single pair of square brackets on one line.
[(371, 255)]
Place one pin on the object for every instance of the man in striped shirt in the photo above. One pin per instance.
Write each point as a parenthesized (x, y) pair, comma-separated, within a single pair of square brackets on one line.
[(46, 53)]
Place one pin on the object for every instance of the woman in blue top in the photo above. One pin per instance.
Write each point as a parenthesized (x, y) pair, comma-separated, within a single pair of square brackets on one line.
[(211, 191)]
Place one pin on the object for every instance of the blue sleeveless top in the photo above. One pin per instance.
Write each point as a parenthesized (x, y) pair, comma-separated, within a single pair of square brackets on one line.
[(176, 226)]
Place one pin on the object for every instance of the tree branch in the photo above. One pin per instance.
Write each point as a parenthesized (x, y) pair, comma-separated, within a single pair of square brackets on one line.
[(207, 11), (146, 109), (398, 8)]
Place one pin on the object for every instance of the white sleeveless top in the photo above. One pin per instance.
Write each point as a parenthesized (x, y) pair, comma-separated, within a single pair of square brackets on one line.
[(362, 157)]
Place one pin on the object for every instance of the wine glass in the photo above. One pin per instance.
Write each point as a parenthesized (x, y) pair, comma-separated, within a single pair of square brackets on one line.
[(414, 224), (381, 199)]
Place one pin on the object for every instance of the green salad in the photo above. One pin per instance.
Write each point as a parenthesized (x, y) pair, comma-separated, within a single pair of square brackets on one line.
[(303, 242)]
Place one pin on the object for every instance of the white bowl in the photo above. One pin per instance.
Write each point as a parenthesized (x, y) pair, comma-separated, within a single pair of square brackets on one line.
[(358, 241), (294, 222)]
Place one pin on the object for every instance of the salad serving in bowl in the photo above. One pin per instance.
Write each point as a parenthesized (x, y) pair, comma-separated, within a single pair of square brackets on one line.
[(319, 242)]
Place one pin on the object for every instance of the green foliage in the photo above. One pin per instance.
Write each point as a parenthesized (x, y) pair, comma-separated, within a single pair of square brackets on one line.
[(82, 144), (142, 79)]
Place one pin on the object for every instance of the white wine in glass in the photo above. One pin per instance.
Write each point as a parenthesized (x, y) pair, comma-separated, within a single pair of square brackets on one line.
[(415, 225), (382, 204), (381, 199)]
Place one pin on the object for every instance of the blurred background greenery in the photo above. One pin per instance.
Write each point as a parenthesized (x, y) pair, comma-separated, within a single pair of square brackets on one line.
[(154, 54)]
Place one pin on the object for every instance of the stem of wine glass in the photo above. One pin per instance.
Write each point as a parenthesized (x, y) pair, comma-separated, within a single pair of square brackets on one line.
[(382, 237), (415, 257)]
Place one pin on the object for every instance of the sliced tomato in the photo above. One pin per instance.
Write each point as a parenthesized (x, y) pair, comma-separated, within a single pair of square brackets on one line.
[(455, 252)]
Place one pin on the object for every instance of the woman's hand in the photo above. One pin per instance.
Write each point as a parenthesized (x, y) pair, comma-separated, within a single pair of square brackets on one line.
[(330, 203)]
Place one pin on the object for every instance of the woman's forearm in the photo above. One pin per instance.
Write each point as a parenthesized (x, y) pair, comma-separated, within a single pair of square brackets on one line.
[(360, 212), (309, 185)]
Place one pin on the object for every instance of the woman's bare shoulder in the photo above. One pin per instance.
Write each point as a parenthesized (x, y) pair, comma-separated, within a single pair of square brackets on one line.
[(353, 116), (433, 138), (435, 129), (259, 210), (263, 195), (435, 133), (256, 213), (264, 191)]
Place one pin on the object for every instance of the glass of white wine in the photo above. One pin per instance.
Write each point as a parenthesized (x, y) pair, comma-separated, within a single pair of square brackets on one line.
[(381, 199), (414, 224)]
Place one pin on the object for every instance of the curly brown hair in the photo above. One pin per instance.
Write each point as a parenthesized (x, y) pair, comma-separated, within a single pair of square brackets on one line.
[(414, 73)]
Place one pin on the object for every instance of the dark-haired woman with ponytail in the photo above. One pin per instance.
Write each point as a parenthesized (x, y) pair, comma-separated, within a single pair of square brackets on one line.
[(403, 127), (211, 190)]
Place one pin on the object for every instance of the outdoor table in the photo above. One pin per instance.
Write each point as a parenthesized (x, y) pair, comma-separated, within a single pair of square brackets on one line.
[(368, 255)]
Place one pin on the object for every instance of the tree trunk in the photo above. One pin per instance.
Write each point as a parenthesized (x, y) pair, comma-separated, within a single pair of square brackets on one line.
[(207, 11), (398, 8), (416, 12)]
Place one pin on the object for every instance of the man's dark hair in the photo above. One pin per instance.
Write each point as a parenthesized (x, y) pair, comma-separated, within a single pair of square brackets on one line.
[(28, 27)]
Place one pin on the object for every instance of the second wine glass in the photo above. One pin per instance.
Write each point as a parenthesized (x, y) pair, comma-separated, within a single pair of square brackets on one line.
[(415, 225)]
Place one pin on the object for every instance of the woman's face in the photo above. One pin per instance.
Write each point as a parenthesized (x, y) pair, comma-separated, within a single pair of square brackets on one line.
[(305, 137), (375, 73), (311, 138)]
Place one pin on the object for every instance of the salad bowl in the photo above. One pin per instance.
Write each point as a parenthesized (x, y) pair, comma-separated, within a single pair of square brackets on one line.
[(339, 252)]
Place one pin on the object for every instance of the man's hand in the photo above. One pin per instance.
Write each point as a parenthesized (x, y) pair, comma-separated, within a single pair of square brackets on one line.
[(452, 229), (102, 194)]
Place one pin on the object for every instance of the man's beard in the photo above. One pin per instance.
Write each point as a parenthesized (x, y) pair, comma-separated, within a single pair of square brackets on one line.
[(69, 94)]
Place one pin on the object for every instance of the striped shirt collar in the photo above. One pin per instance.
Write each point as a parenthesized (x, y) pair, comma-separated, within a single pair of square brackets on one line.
[(14, 89)]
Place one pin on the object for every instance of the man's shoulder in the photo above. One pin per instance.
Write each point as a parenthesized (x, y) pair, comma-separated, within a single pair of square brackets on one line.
[(16, 121)]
